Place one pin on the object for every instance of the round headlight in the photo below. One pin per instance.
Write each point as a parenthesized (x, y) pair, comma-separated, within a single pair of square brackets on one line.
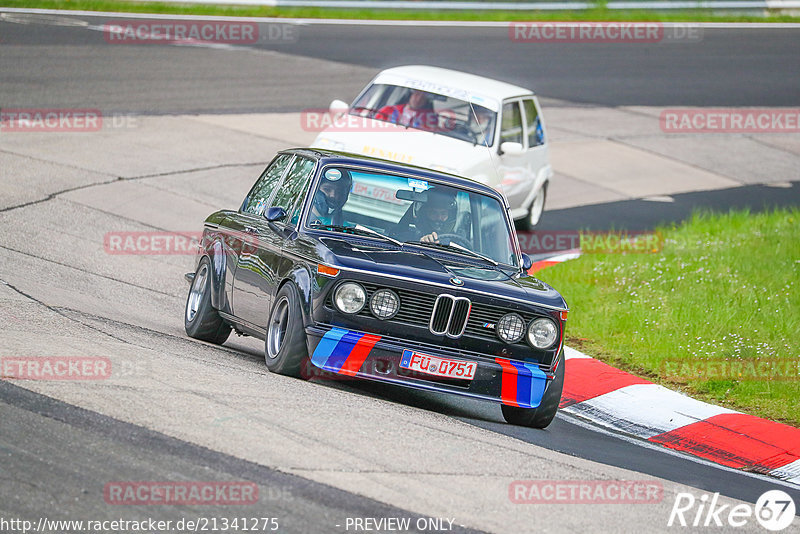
[(542, 333), (510, 328), (384, 304), (350, 297)]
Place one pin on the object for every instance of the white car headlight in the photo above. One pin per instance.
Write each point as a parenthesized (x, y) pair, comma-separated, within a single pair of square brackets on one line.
[(542, 333), (350, 297), (510, 328), (384, 304)]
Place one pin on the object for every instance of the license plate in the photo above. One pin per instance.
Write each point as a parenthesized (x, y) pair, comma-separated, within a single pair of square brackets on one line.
[(433, 365)]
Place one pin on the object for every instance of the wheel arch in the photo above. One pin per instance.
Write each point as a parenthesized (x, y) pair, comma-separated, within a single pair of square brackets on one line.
[(300, 276), (215, 252)]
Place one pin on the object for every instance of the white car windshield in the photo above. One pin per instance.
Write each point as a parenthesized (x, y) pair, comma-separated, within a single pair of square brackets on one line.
[(405, 210), (423, 110)]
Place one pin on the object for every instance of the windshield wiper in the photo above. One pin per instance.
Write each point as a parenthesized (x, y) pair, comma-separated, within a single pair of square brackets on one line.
[(356, 230), (473, 253), (456, 246), (370, 231)]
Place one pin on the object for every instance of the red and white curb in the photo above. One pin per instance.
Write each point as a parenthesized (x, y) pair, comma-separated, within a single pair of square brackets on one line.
[(541, 264), (631, 405), (625, 403)]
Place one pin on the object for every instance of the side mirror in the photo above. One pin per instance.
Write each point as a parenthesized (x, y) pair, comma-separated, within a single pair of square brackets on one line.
[(338, 107), (527, 263), (275, 213), (512, 149)]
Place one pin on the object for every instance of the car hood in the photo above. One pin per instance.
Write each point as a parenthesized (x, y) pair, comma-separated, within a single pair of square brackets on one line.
[(407, 145), (413, 264)]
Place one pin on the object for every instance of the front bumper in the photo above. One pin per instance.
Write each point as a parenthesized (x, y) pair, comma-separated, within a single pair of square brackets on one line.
[(374, 357)]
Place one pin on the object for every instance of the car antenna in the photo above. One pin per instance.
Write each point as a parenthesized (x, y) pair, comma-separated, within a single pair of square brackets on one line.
[(486, 143), (496, 170)]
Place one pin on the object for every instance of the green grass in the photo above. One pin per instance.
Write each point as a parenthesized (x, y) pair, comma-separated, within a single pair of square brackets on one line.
[(724, 288), (600, 13)]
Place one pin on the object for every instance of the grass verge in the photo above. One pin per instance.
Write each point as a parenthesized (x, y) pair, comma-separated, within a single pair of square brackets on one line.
[(600, 13), (714, 314)]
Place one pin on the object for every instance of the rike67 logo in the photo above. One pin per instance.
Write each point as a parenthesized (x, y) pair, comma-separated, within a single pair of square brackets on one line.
[(774, 510)]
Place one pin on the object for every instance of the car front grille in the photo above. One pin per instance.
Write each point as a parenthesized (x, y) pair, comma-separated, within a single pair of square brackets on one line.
[(449, 316), (433, 312)]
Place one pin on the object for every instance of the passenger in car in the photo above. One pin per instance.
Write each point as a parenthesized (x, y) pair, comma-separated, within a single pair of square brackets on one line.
[(481, 124), (417, 112), (331, 195)]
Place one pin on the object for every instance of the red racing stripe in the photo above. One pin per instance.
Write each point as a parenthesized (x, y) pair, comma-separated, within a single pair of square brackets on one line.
[(587, 378), (359, 353), (729, 439), (508, 388)]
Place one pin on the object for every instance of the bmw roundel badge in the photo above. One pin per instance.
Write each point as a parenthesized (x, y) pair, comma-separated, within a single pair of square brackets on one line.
[(456, 281)]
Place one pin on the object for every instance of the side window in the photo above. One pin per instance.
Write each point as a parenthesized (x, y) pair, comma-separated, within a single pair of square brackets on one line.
[(511, 127), (533, 125), (495, 238), (293, 190), (259, 195)]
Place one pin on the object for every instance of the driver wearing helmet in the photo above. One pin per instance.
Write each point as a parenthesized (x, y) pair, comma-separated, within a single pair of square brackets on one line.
[(331, 195), (417, 112), (432, 217)]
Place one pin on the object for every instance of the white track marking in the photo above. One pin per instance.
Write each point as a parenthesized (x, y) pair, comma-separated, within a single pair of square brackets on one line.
[(645, 410)]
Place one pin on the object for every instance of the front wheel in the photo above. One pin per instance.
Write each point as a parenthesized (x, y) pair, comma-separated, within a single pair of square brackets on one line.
[(285, 347), (201, 320), (535, 211), (541, 416)]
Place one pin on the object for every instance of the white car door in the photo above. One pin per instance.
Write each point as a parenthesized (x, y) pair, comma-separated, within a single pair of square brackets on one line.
[(536, 146), (516, 177)]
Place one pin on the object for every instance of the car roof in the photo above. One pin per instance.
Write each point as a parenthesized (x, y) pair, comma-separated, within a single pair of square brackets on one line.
[(437, 77), (345, 158)]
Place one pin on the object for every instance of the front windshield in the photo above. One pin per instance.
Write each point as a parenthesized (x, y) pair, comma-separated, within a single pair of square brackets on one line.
[(428, 111), (399, 209)]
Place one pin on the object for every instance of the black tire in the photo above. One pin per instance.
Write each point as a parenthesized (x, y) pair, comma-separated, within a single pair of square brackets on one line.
[(285, 347), (543, 415), (200, 319)]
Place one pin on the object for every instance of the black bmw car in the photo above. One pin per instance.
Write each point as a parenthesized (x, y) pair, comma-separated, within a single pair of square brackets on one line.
[(360, 267)]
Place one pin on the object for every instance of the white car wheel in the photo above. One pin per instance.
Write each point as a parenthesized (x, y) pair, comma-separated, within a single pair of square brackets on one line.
[(535, 211)]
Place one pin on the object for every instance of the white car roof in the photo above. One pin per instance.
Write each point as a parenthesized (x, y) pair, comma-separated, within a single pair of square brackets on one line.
[(452, 83)]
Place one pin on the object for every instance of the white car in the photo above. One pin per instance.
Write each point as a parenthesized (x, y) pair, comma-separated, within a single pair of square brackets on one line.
[(451, 121)]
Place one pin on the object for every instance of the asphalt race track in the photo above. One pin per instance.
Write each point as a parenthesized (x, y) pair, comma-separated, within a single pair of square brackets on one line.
[(202, 121), (68, 65)]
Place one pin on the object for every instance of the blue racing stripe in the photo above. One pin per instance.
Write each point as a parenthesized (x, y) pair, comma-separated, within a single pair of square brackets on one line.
[(530, 384), (342, 351), (326, 346)]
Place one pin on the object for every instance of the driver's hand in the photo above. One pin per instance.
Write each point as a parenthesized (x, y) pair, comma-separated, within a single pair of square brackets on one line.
[(433, 237)]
